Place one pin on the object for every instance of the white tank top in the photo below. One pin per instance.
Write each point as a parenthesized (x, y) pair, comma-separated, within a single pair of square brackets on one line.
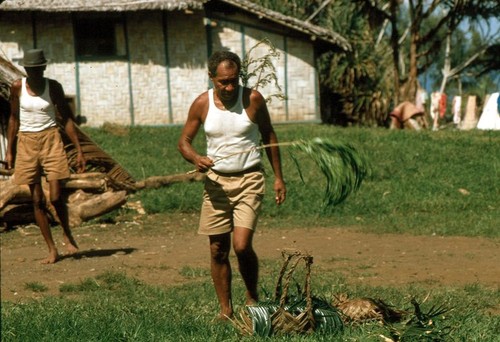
[(36, 113), (229, 132)]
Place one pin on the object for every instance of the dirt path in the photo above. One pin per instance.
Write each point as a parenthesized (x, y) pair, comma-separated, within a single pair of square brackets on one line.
[(160, 256)]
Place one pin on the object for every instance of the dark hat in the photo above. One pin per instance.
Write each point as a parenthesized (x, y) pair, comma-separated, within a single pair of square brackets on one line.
[(34, 58)]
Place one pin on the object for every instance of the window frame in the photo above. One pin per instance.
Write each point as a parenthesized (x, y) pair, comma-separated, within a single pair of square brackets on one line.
[(115, 42)]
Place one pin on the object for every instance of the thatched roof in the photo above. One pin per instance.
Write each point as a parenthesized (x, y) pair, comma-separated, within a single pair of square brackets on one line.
[(314, 31), (99, 5)]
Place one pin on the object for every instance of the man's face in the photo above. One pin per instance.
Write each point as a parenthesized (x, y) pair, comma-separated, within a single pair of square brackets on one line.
[(226, 82), (35, 72)]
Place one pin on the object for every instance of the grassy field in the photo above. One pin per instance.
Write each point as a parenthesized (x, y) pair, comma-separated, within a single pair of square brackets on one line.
[(444, 183), (112, 307)]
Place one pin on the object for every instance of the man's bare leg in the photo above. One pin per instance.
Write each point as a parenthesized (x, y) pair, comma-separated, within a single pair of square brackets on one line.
[(43, 222), (221, 272), (62, 213), (248, 262)]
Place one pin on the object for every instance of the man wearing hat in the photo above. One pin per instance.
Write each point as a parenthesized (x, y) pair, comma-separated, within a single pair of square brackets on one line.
[(37, 106)]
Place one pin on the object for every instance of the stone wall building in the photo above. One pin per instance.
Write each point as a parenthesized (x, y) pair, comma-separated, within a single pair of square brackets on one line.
[(143, 62)]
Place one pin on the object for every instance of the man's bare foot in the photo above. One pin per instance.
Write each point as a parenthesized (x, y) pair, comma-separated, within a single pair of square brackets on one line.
[(223, 318), (70, 243), (251, 298), (71, 249), (51, 259), (251, 301)]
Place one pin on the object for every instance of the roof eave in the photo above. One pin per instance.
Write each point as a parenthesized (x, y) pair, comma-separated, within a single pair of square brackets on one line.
[(313, 31), (111, 6)]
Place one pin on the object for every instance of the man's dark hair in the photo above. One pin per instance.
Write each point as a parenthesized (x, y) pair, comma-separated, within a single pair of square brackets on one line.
[(220, 56)]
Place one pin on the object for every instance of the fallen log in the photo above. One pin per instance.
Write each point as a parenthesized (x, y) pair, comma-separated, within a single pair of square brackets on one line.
[(96, 185), (80, 209), (17, 214), (9, 190), (95, 206), (88, 195)]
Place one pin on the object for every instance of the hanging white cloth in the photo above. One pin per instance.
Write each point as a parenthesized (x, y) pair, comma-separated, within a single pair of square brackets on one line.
[(457, 109), (490, 118)]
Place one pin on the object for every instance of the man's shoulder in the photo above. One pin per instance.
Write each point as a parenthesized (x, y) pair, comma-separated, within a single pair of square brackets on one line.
[(17, 83), (253, 95), (201, 98), (15, 88), (200, 104), (54, 83)]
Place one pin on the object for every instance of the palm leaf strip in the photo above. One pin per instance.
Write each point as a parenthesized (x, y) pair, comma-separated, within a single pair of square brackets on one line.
[(343, 166)]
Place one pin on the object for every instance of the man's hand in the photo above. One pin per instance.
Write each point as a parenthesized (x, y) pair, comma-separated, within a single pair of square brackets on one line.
[(9, 161), (280, 191), (80, 163), (203, 164)]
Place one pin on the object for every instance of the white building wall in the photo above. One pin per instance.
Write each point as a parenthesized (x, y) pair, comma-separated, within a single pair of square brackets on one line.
[(148, 69), (104, 92), (303, 88), (187, 50), (152, 88)]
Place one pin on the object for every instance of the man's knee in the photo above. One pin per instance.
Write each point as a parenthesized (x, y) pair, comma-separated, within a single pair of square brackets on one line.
[(39, 203), (242, 250), (57, 202), (219, 252)]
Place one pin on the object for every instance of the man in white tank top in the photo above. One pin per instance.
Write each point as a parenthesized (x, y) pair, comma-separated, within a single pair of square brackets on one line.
[(37, 105), (235, 118)]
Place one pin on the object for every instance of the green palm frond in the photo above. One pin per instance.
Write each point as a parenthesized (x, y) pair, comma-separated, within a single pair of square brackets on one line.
[(423, 326), (343, 166)]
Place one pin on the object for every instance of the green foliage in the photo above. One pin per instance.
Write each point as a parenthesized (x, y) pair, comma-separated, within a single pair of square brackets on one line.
[(361, 78), (359, 84), (259, 71)]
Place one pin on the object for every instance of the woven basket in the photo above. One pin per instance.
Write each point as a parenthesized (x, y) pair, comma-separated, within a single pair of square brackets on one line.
[(285, 314)]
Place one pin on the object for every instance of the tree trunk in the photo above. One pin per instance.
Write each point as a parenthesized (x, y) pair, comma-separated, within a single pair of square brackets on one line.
[(88, 196), (395, 49), (410, 91)]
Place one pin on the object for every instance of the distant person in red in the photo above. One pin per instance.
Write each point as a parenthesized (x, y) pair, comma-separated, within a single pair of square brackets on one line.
[(442, 105), (37, 105)]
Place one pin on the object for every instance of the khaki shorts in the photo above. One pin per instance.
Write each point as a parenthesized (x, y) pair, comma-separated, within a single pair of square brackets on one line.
[(40, 153), (231, 201)]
